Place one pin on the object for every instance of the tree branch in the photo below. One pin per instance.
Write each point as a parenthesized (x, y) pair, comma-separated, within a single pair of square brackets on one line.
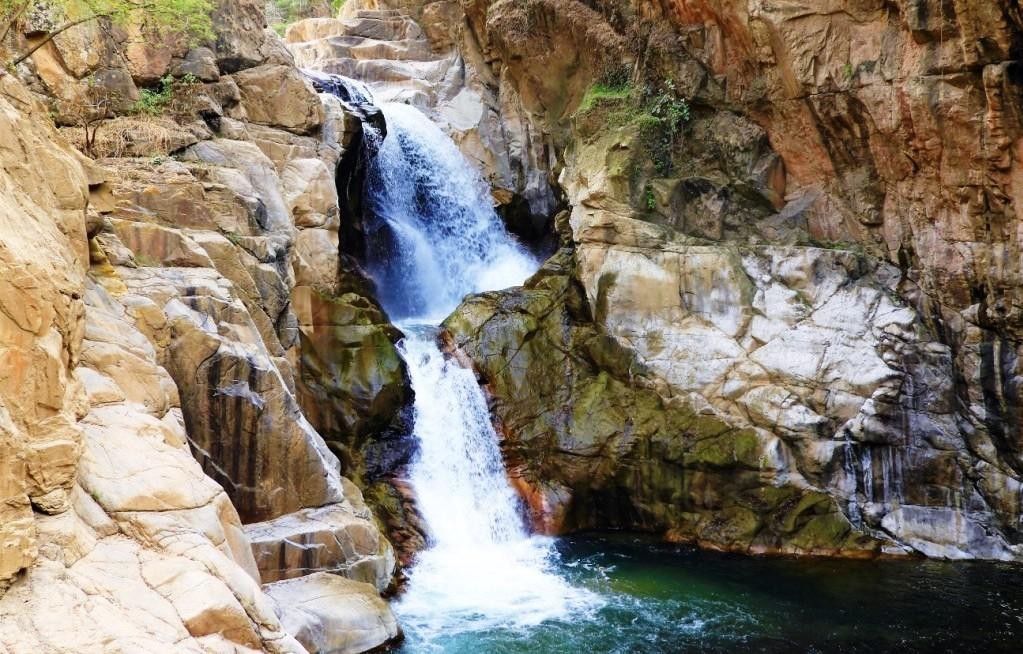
[(132, 7), (14, 19), (49, 37)]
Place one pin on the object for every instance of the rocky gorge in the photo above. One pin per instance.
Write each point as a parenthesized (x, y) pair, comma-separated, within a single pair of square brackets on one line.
[(775, 311)]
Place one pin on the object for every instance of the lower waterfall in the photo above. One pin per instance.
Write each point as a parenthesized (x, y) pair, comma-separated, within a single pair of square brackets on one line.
[(433, 238)]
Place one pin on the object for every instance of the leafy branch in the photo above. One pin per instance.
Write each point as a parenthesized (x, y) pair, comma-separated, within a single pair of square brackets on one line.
[(190, 17)]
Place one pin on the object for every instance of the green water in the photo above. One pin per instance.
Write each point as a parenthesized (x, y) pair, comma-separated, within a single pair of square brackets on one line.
[(662, 598)]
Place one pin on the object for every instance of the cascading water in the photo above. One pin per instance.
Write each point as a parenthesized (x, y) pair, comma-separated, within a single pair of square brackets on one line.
[(348, 90), (433, 239), (436, 237)]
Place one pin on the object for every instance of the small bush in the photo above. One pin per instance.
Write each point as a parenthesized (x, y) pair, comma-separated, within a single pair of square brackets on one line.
[(167, 96), (649, 199), (671, 108)]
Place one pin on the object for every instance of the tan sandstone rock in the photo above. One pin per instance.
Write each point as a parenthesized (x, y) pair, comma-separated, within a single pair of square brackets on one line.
[(333, 615), (279, 96)]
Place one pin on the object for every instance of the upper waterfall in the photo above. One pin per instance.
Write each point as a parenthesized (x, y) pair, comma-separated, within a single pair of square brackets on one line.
[(348, 90), (435, 236)]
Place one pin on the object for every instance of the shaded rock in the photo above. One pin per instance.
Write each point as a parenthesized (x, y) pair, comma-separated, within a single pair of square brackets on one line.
[(200, 63), (349, 359), (274, 463), (243, 40)]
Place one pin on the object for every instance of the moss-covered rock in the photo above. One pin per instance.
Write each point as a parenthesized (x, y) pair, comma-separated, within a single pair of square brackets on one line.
[(592, 444), (354, 388)]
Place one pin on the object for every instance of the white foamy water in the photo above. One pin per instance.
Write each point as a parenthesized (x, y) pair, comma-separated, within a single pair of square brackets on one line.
[(435, 239), (482, 569)]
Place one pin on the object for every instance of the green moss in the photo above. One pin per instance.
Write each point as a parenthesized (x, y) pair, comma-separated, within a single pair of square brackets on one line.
[(766, 499), (822, 532), (735, 449), (732, 525), (146, 261), (841, 246), (603, 94)]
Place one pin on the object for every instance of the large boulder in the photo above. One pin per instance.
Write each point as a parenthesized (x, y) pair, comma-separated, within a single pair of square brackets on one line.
[(333, 615), (242, 38), (593, 442), (279, 96)]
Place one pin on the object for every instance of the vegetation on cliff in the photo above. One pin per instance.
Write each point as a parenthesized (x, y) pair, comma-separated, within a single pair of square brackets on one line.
[(186, 17)]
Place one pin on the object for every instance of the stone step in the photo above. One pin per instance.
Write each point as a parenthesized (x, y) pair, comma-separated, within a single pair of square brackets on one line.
[(332, 538), (379, 13), (391, 29), (426, 74), (327, 613), (355, 47)]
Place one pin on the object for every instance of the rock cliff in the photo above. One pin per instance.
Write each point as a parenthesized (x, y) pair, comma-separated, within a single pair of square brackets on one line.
[(163, 488), (789, 236), (781, 314), (876, 369)]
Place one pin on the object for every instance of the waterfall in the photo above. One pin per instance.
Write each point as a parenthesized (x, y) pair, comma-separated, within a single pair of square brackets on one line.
[(432, 238), (436, 236), (348, 90)]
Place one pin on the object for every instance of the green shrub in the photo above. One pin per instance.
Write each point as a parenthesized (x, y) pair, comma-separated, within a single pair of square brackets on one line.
[(671, 108), (154, 102), (649, 198), (660, 112)]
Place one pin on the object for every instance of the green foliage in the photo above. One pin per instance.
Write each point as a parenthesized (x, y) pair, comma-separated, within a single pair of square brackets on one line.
[(671, 108), (649, 199), (188, 17), (660, 112), (667, 114), (601, 93), (282, 13), (154, 102)]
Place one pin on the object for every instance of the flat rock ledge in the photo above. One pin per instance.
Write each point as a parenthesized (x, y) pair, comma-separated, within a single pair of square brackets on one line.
[(329, 614)]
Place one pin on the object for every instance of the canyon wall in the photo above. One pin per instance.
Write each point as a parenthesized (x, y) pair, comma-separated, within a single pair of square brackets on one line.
[(783, 318), (787, 323), (163, 488), (828, 261)]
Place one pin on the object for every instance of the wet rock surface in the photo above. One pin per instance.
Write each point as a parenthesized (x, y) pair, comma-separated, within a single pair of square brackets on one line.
[(799, 260)]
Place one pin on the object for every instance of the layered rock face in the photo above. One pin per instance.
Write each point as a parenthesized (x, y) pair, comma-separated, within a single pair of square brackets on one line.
[(820, 264), (158, 465)]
